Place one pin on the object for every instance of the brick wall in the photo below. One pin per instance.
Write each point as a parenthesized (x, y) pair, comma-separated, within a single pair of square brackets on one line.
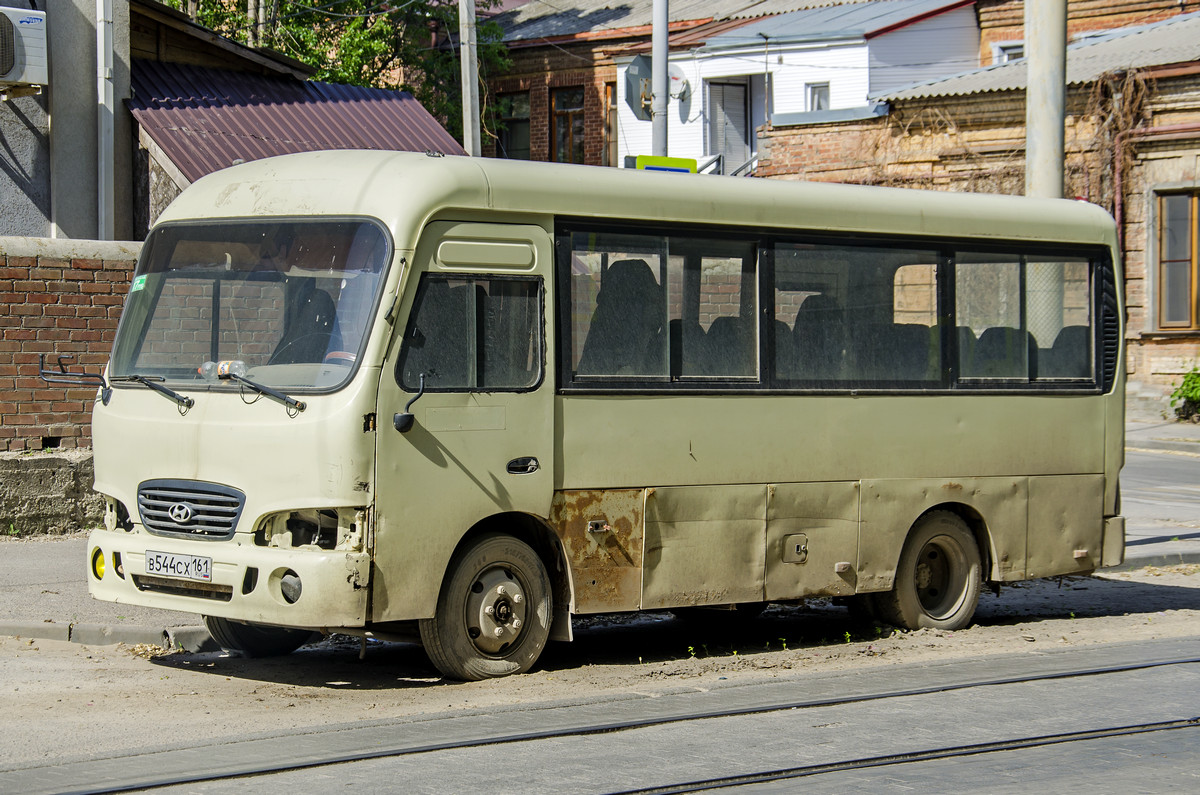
[(540, 70), (56, 297)]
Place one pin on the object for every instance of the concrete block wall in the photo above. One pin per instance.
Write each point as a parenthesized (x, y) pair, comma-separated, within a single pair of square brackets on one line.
[(57, 297), (48, 492)]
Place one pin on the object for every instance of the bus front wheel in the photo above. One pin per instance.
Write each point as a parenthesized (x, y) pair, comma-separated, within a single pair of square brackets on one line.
[(255, 640), (493, 613), (938, 577)]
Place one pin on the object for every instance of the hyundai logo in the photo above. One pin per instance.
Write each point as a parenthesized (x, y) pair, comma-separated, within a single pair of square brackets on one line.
[(180, 513)]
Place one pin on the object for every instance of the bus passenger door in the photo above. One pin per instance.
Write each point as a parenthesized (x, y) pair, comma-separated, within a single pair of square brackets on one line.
[(473, 326)]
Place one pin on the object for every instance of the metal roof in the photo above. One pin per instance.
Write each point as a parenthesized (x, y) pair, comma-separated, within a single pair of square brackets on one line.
[(855, 21), (207, 119), (549, 19), (1176, 40)]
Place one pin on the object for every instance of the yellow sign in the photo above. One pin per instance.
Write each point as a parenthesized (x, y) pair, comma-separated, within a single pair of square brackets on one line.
[(684, 165)]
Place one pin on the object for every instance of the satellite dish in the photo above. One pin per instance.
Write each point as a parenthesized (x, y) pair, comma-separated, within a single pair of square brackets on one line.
[(678, 86)]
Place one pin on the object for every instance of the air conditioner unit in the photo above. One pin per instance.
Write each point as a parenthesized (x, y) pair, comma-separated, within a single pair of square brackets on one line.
[(24, 60)]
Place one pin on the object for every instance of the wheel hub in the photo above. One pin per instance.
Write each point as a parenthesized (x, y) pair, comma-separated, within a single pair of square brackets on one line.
[(924, 576), (495, 610), (940, 576)]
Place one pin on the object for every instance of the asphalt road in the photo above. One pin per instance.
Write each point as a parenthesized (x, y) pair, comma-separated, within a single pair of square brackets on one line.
[(1161, 490), (1060, 721)]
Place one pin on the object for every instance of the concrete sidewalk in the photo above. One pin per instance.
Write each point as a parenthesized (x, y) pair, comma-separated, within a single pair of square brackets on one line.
[(1175, 437), (43, 591)]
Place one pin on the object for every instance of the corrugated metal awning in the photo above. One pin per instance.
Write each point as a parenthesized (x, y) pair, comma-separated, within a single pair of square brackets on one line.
[(206, 119), (1175, 40)]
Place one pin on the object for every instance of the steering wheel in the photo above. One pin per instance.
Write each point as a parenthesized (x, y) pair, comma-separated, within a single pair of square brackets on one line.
[(341, 357)]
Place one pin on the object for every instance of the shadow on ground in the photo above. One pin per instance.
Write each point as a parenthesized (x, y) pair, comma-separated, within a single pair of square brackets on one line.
[(633, 639)]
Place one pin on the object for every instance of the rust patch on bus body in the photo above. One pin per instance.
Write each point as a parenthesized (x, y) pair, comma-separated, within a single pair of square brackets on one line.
[(602, 533)]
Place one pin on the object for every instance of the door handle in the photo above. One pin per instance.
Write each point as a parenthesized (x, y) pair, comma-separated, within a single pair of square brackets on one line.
[(525, 465)]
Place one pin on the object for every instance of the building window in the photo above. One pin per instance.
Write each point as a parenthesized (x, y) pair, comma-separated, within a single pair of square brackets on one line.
[(566, 125), (818, 96), (512, 115), (1007, 51), (1177, 264), (608, 155)]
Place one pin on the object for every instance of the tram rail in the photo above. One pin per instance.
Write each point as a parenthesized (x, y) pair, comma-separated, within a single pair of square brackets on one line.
[(138, 779)]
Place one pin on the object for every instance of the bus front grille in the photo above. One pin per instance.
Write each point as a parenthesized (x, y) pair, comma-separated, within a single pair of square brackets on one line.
[(202, 590), (189, 508)]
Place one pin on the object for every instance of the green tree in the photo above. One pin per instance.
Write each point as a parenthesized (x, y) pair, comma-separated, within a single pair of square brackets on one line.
[(406, 44)]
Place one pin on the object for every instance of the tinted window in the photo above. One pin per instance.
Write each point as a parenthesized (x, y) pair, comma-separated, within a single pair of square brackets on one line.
[(662, 308), (473, 333)]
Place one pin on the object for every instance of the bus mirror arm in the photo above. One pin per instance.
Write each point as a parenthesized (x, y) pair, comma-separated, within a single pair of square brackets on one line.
[(64, 376), (404, 420)]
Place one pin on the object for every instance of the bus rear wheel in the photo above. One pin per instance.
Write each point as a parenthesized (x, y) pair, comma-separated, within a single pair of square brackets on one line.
[(938, 577), (255, 640), (493, 613)]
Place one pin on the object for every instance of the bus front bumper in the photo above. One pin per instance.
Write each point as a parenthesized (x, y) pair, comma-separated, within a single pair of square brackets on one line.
[(244, 582)]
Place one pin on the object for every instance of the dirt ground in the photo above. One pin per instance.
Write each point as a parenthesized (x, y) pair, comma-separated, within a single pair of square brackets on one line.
[(65, 701)]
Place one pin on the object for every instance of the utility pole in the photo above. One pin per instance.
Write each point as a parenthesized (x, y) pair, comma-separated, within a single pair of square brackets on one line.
[(658, 79), (470, 76), (105, 124), (1046, 51)]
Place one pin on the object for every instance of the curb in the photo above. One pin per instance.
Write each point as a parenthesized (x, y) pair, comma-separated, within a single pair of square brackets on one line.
[(1162, 559), (1150, 445), (192, 639)]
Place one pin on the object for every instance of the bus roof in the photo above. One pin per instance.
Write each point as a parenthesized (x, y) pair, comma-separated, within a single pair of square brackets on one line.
[(405, 189)]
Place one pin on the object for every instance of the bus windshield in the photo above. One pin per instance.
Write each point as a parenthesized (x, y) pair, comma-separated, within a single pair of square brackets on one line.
[(286, 304)]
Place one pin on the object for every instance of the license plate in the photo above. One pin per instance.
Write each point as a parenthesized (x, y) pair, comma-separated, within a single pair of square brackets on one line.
[(187, 567)]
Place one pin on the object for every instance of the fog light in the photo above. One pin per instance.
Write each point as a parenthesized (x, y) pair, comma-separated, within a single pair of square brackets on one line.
[(98, 563), (289, 584)]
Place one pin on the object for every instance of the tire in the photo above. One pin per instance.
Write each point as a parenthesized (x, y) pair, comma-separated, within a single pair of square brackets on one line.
[(493, 613), (938, 576), (255, 640)]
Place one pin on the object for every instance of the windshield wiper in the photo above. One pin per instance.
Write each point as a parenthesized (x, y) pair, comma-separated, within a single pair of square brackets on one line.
[(151, 381), (274, 394)]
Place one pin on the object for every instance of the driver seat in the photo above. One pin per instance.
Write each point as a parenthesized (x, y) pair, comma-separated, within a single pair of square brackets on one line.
[(308, 336)]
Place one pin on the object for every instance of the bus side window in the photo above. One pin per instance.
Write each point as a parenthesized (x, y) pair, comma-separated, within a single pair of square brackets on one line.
[(473, 334), (1029, 316), (626, 331)]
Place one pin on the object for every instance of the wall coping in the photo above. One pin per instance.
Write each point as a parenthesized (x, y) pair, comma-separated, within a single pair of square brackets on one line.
[(60, 248)]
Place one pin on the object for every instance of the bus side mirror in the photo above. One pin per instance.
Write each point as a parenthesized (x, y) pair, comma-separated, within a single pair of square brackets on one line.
[(404, 420)]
